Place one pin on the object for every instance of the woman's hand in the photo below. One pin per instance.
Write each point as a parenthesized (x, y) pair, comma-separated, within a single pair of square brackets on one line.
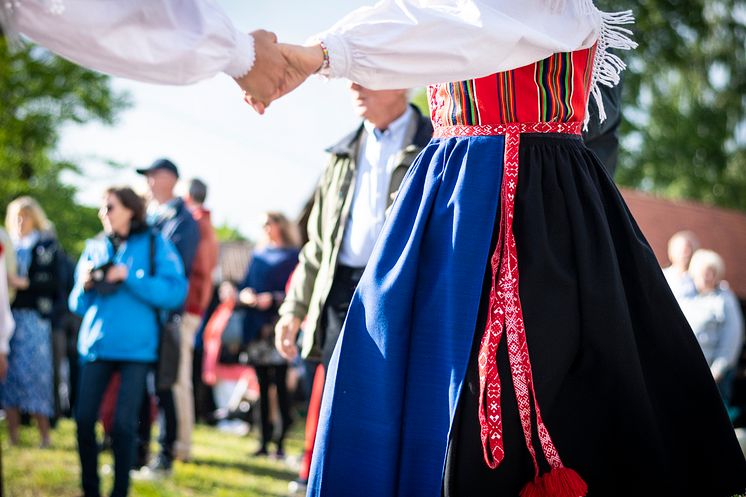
[(301, 63), (117, 273), (264, 300), (18, 282), (247, 297), (87, 278)]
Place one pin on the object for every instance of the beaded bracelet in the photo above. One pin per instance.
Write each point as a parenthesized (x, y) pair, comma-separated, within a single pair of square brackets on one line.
[(324, 69)]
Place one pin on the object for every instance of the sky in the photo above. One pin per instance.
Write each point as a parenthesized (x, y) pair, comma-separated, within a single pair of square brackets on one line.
[(251, 163)]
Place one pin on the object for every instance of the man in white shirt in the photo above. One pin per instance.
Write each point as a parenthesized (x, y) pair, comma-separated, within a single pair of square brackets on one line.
[(350, 207), (681, 247)]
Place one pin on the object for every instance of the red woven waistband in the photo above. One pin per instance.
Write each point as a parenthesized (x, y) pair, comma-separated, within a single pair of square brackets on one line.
[(573, 128)]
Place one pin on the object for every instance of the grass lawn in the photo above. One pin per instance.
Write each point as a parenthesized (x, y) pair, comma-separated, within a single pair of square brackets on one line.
[(222, 466)]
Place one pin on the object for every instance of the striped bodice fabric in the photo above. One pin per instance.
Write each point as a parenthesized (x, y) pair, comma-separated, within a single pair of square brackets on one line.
[(555, 89)]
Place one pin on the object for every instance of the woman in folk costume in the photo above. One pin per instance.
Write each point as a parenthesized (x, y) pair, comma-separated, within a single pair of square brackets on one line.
[(513, 333)]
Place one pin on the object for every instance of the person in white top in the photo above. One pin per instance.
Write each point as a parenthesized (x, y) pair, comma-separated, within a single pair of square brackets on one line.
[(715, 317), (681, 247), (173, 42), (6, 318)]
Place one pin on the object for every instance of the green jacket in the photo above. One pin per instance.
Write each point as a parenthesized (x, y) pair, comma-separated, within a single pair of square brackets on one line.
[(312, 279)]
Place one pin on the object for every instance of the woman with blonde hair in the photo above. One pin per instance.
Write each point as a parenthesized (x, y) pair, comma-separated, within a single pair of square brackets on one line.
[(38, 283), (261, 293)]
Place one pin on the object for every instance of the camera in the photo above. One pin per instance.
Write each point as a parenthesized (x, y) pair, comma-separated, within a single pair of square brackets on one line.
[(98, 276), (98, 273)]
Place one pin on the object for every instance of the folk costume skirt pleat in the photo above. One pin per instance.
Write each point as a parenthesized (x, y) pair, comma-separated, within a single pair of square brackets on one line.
[(621, 381)]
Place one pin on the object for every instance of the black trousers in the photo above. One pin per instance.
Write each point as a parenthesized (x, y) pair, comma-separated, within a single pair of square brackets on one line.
[(277, 376), (94, 378), (335, 308), (168, 425)]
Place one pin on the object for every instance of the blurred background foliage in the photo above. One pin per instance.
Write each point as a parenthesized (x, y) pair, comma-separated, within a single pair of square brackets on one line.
[(40, 94)]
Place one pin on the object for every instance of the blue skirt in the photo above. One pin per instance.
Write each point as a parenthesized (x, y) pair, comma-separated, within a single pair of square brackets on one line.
[(394, 380), (619, 376), (28, 386)]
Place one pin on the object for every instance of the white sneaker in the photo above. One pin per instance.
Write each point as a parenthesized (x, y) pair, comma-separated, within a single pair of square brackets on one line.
[(297, 487)]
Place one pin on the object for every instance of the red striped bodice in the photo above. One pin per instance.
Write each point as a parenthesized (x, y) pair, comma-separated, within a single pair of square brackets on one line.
[(555, 89)]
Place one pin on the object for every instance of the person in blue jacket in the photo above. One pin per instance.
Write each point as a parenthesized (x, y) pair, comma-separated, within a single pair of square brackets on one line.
[(118, 298)]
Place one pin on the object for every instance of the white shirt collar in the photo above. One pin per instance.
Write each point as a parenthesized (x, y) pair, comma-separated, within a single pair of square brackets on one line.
[(397, 127), (28, 241)]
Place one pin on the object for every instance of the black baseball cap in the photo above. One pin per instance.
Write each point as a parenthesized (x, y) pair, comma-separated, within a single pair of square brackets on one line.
[(160, 164)]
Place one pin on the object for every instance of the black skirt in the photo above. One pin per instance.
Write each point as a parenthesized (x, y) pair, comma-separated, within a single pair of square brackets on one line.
[(622, 384)]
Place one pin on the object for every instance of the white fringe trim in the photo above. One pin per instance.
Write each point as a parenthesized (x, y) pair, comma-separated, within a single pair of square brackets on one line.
[(607, 66)]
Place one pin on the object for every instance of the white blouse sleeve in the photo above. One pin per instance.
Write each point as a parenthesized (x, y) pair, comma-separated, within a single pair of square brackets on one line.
[(408, 43), (156, 41), (6, 318)]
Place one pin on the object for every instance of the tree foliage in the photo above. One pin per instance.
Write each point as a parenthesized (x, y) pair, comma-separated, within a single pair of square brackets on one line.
[(41, 93), (684, 134), (227, 233)]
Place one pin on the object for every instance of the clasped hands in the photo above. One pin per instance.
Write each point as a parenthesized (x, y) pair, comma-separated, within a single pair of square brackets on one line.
[(278, 69)]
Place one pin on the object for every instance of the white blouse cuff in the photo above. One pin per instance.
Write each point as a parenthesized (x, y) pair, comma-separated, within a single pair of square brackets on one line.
[(243, 57), (339, 55)]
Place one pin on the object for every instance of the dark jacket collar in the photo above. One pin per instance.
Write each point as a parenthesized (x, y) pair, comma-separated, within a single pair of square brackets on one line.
[(347, 145)]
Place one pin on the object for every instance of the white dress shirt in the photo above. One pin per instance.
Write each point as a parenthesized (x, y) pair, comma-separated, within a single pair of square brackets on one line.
[(156, 41), (375, 163), (410, 43)]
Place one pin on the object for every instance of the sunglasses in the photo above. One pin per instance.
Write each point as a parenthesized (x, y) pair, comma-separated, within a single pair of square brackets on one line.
[(107, 208)]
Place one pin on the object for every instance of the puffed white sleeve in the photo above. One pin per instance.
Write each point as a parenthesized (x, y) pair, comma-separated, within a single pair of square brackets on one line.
[(6, 318), (408, 43), (156, 41)]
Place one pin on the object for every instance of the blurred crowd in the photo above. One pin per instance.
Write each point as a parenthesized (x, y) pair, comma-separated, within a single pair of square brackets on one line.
[(113, 337)]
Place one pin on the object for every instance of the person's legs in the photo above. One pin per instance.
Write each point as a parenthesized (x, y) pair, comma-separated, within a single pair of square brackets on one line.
[(168, 427), (13, 417), (124, 429), (94, 376), (145, 422), (283, 401), (58, 354), (42, 424), (262, 375), (183, 388)]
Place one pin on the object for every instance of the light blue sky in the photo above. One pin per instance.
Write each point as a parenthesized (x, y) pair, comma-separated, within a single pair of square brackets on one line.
[(251, 163)]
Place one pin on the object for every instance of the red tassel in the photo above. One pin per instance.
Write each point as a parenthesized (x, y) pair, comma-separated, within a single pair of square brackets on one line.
[(559, 482)]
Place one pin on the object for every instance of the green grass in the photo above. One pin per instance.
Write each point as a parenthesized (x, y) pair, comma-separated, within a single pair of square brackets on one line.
[(222, 466)]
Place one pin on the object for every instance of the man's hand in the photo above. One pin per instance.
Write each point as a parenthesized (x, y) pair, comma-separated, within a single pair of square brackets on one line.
[(301, 63), (286, 332), (267, 74)]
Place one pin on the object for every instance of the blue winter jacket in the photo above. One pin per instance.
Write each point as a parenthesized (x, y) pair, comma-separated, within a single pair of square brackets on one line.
[(122, 325)]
